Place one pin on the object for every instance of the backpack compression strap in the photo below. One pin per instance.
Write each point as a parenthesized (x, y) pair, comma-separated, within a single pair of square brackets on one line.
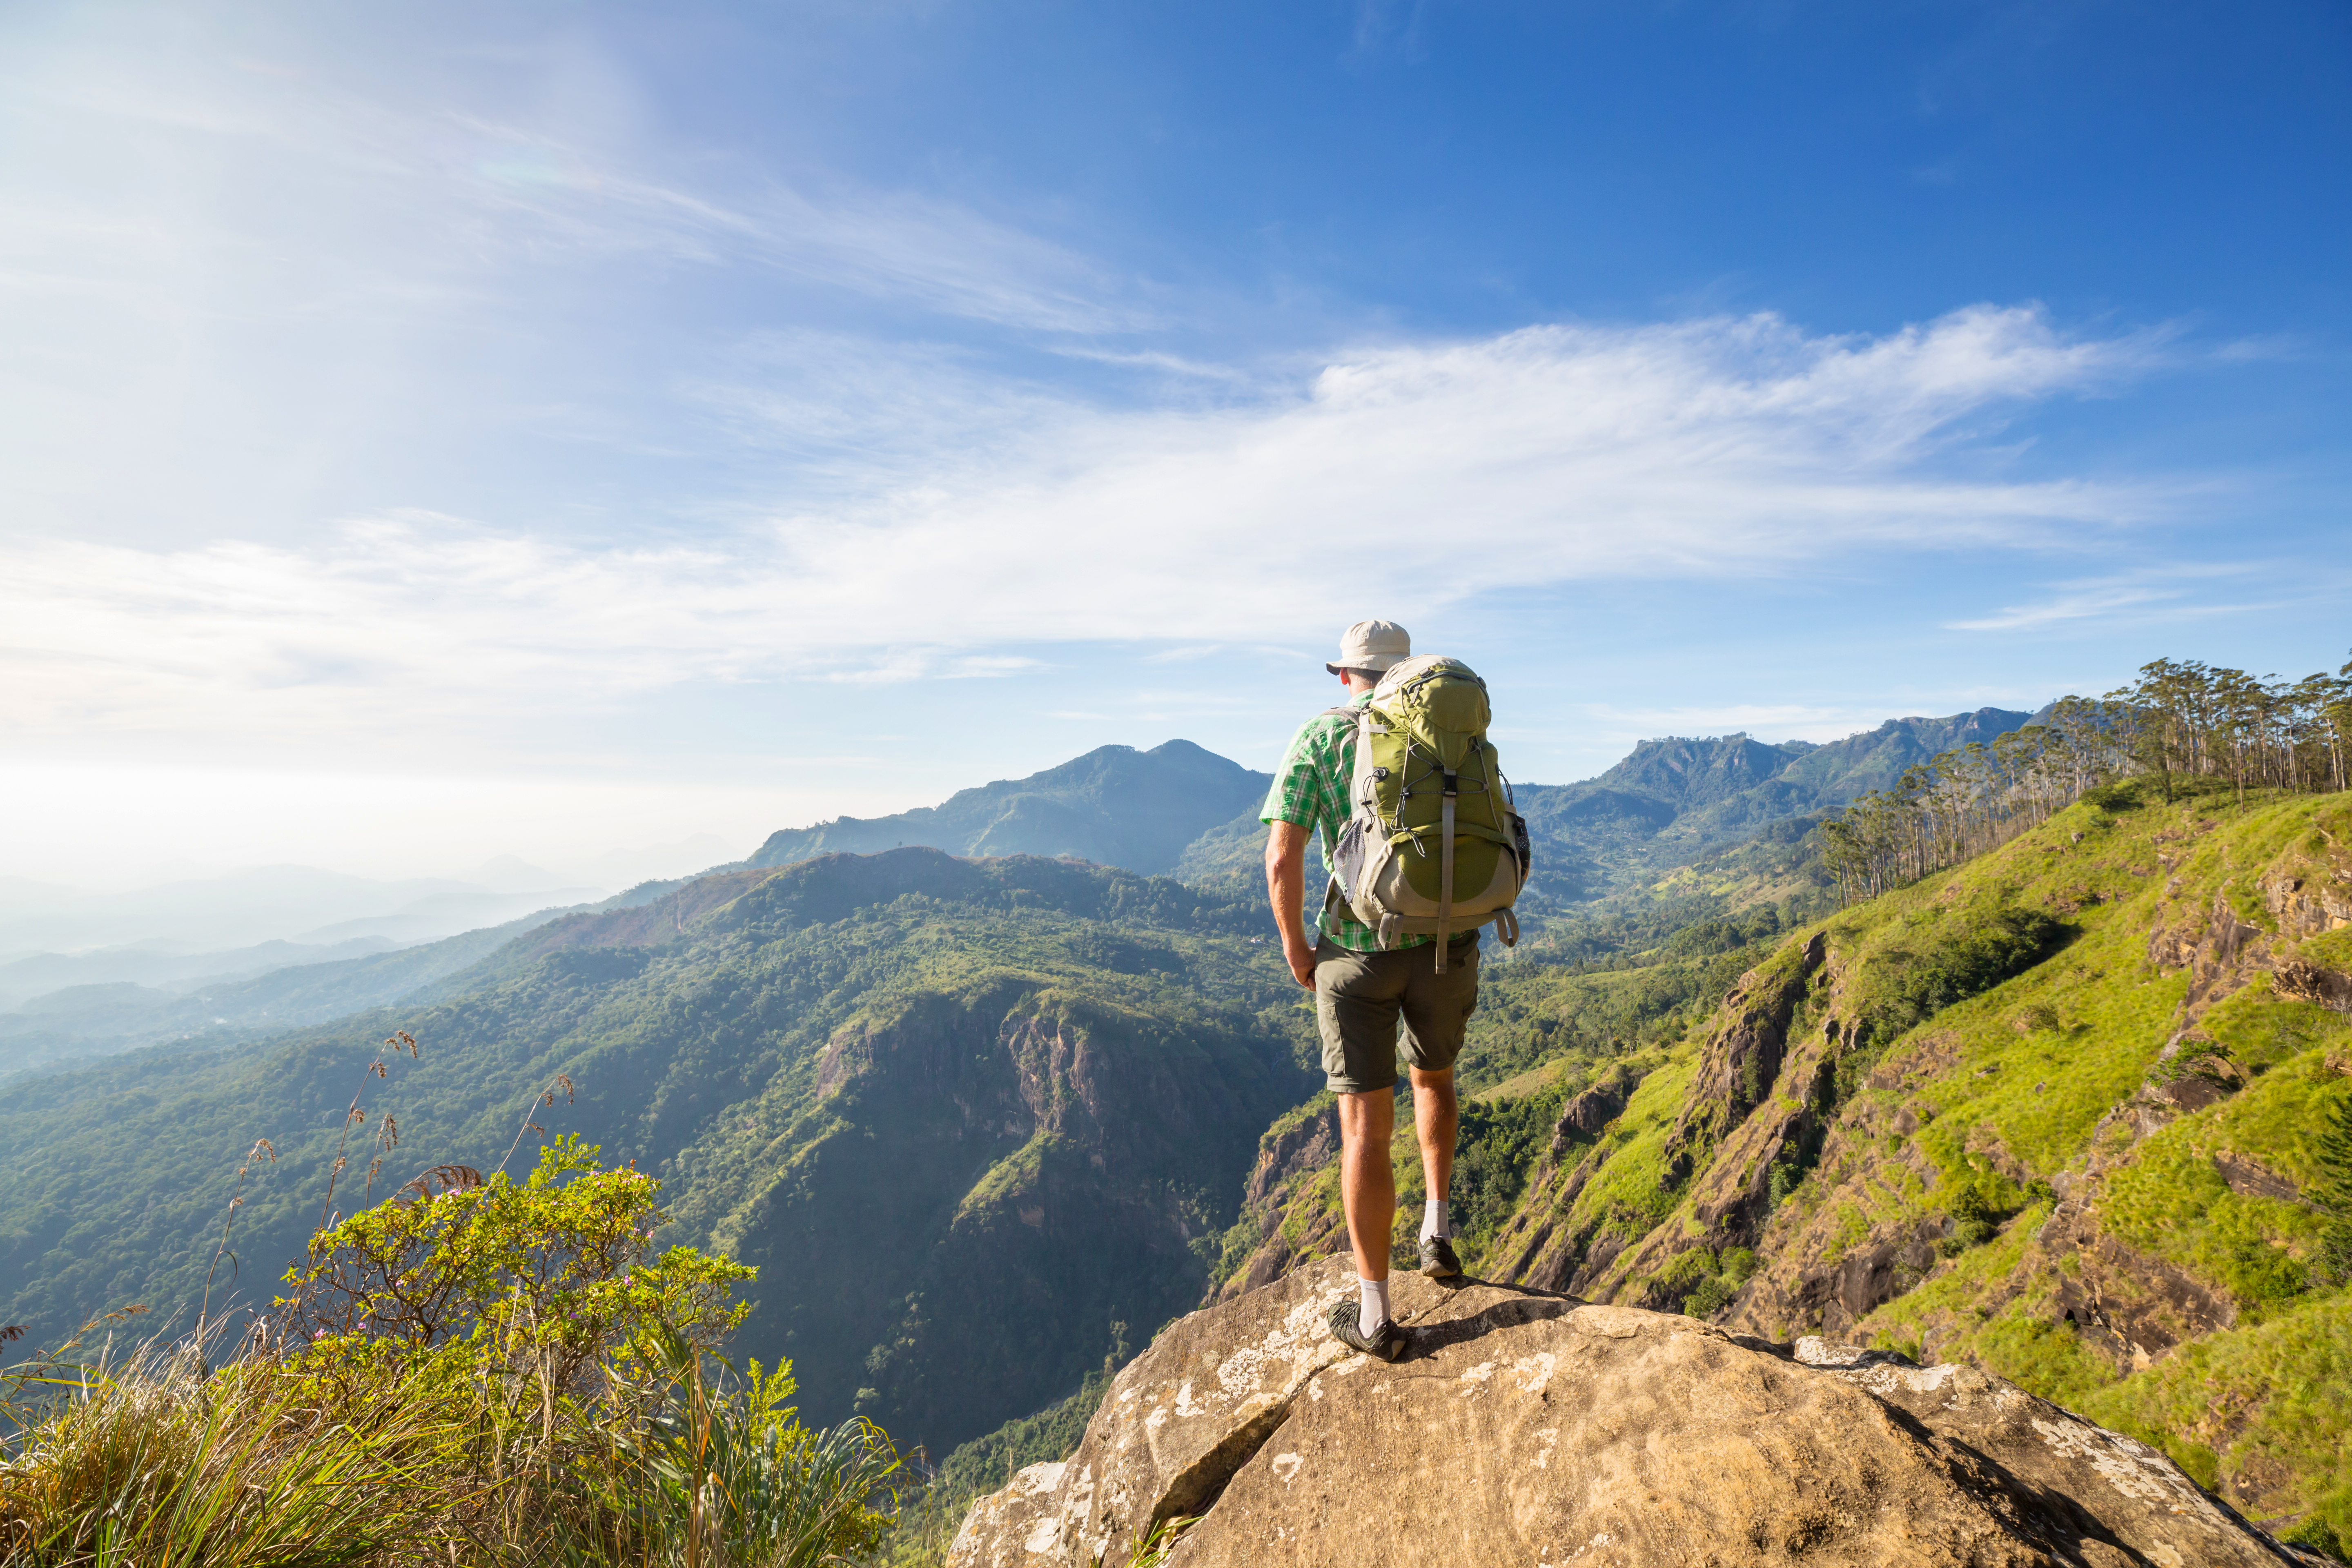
[(1450, 782)]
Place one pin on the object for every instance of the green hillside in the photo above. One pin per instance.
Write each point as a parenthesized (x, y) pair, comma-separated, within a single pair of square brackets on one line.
[(2057, 1111), (2053, 1100), (969, 1119)]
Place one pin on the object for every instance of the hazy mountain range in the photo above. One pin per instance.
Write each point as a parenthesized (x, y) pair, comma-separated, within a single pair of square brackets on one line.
[(297, 904), (1180, 809), (1175, 809)]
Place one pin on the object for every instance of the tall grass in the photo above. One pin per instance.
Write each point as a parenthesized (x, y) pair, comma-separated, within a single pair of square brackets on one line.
[(148, 1456), (155, 1456)]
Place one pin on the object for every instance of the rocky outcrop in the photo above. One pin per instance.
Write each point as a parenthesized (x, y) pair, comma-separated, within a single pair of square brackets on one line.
[(1741, 1062), (1583, 1117), (1755, 1097), (1279, 1201), (1178, 1424), (1523, 1427)]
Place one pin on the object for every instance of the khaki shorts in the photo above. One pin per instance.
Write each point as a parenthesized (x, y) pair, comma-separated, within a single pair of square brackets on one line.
[(1359, 997)]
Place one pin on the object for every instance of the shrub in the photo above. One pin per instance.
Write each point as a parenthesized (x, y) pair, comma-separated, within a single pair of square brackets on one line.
[(2120, 796), (482, 1373), (1978, 1202), (1710, 1298), (2317, 1535), (1911, 986), (547, 1280)]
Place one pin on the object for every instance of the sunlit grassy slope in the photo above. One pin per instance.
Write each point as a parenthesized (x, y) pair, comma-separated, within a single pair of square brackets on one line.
[(2053, 1111), (2092, 1170)]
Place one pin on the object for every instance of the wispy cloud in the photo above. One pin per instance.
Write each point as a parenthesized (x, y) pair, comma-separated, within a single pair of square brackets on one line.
[(2143, 596), (1423, 475)]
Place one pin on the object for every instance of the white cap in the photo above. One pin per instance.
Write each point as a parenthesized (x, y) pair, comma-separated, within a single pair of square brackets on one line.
[(1372, 645)]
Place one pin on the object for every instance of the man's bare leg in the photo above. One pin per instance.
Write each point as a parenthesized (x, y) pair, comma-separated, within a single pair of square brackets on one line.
[(1436, 1119), (1368, 1190)]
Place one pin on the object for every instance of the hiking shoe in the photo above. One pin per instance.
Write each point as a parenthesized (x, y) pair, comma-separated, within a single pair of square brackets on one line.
[(1387, 1341), (1438, 1260)]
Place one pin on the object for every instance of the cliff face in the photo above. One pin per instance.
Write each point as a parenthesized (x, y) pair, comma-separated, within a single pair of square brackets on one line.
[(1524, 1427), (986, 1180)]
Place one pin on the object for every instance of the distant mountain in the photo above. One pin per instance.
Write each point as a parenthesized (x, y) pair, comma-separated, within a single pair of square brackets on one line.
[(1672, 800), (1114, 805), (297, 903), (39, 973), (76, 1022), (974, 1122), (1667, 802)]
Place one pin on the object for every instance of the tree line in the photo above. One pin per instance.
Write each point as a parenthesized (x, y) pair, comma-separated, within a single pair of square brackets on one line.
[(2182, 726)]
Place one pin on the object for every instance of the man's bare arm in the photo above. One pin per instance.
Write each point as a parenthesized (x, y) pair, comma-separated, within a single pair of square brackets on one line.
[(1285, 886)]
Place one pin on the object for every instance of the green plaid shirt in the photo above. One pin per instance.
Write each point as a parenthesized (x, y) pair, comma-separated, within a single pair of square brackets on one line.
[(1310, 791)]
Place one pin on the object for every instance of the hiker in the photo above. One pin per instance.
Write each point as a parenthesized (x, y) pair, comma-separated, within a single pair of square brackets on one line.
[(1364, 984)]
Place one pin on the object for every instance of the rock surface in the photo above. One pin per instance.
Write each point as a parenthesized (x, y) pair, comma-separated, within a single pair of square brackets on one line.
[(1531, 1428)]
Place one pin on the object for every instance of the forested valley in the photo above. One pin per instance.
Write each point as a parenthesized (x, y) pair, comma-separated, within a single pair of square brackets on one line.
[(2014, 1038)]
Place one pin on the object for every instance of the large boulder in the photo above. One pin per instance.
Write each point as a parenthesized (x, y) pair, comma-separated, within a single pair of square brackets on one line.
[(1524, 1427)]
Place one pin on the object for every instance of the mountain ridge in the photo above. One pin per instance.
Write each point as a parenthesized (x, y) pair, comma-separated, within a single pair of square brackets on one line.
[(1113, 806)]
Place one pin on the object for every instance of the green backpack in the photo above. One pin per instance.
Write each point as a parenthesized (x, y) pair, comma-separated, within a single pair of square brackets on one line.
[(1432, 845)]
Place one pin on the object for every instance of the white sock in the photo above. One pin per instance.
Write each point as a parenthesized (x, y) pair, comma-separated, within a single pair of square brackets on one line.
[(1371, 1304), (1432, 1218)]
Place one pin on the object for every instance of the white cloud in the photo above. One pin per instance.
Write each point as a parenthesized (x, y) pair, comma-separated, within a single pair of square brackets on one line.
[(2161, 594), (1425, 474)]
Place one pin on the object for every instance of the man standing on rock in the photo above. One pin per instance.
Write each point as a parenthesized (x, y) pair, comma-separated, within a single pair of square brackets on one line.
[(1361, 994)]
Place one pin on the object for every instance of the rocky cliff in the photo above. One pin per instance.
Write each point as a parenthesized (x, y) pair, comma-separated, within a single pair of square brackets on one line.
[(1525, 1426)]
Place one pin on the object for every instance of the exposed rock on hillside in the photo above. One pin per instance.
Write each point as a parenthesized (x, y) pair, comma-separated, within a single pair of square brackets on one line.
[(1752, 1096), (1527, 1427), (1290, 1196)]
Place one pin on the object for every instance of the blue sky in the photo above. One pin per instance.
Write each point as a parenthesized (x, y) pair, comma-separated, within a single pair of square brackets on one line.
[(437, 431)]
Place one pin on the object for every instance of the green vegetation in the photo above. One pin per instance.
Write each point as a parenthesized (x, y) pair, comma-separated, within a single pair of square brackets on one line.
[(1941, 957), (1034, 1084), (953, 1127), (2172, 1199), (2186, 727), (481, 1372), (2332, 1152), (1500, 1142), (2249, 1402), (1718, 1288)]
